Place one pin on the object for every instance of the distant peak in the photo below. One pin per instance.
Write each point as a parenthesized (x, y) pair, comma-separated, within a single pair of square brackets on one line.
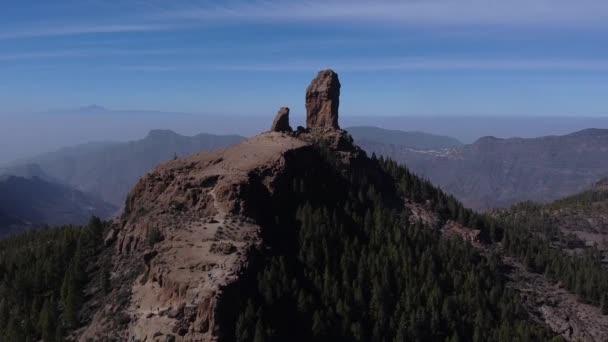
[(94, 108), (590, 132), (488, 139), (161, 133)]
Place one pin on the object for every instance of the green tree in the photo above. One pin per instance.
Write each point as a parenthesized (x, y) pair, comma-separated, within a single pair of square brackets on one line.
[(47, 324)]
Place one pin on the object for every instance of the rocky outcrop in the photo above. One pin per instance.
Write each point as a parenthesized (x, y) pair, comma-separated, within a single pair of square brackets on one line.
[(551, 304), (192, 228), (601, 185), (323, 101), (281, 121)]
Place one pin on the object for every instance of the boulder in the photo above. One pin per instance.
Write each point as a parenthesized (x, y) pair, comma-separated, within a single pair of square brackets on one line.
[(322, 101), (281, 121)]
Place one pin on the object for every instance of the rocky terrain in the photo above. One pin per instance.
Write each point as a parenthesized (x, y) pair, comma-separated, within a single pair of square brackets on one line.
[(493, 172), (206, 212), (199, 235), (574, 224), (551, 304)]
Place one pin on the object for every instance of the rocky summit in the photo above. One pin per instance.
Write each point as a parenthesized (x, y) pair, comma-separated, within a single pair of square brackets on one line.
[(192, 229), (288, 236), (281, 121), (323, 101)]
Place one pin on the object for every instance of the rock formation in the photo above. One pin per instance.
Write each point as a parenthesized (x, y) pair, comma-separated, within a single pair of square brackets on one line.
[(208, 210), (205, 208), (322, 101), (281, 121), (601, 185), (195, 231)]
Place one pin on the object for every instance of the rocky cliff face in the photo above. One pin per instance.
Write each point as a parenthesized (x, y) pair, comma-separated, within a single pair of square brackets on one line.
[(323, 101), (281, 121), (197, 232), (192, 228)]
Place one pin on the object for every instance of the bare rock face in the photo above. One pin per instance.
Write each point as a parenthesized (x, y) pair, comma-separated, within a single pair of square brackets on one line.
[(601, 185), (322, 101), (205, 209), (281, 121), (192, 228)]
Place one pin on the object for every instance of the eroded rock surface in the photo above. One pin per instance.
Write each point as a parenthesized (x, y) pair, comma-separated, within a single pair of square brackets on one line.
[(552, 305), (190, 229), (281, 121), (323, 101)]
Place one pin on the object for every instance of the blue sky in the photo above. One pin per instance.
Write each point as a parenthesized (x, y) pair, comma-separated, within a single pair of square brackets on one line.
[(410, 57)]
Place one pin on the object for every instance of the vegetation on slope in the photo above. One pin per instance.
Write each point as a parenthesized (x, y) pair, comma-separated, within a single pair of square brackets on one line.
[(347, 264), (42, 278), (538, 234)]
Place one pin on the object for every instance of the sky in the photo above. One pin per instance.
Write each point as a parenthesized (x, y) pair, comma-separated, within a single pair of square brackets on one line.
[(250, 57)]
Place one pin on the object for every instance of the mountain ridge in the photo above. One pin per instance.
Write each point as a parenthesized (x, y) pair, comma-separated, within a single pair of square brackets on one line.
[(108, 170), (298, 235), (494, 172), (411, 139), (30, 203)]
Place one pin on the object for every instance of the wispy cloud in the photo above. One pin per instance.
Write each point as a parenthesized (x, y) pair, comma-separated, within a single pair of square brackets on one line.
[(59, 30), (393, 64), (67, 53), (150, 16), (560, 13)]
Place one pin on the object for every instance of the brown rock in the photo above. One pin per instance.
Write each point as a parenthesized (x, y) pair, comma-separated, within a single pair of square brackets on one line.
[(281, 121), (601, 185), (323, 100)]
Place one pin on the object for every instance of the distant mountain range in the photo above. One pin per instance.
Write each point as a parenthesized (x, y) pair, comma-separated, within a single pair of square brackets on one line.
[(414, 140), (109, 170), (489, 173), (495, 172), (27, 203)]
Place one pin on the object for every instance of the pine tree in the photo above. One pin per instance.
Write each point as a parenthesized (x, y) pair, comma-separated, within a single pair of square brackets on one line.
[(259, 336), (4, 313), (46, 323)]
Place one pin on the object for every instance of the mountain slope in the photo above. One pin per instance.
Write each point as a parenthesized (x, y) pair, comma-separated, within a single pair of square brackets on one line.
[(27, 203), (414, 140), (109, 170), (230, 217), (573, 223), (299, 236), (496, 172)]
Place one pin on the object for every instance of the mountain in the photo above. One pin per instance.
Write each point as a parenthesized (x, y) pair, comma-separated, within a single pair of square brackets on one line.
[(27, 203), (26, 170), (495, 172), (414, 140), (469, 128), (575, 223), (109, 170), (296, 236)]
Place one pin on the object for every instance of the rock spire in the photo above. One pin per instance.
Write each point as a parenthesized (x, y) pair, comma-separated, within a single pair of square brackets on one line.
[(322, 101), (281, 121)]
